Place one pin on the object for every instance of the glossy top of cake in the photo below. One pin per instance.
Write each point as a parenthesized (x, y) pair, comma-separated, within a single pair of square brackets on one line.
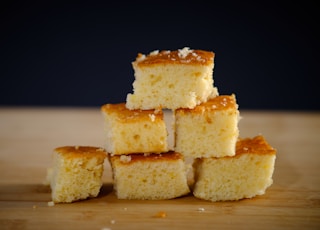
[(80, 151), (256, 145), (180, 56), (222, 102), (127, 115), (148, 157)]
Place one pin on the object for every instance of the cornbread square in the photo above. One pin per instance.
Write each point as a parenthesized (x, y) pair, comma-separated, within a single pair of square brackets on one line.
[(245, 175), (149, 176), (208, 130), (172, 79), (76, 173), (134, 131)]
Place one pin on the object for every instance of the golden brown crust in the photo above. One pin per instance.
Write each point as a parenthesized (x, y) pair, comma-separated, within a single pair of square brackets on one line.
[(183, 56), (147, 157), (256, 145), (127, 115), (222, 102), (81, 151)]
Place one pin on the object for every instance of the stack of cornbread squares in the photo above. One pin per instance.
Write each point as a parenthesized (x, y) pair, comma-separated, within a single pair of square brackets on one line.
[(148, 165), (205, 127)]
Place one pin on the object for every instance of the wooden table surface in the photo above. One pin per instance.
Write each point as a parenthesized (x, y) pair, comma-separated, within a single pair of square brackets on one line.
[(28, 136)]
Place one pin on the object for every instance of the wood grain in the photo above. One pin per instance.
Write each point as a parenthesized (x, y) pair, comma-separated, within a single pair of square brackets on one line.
[(28, 136)]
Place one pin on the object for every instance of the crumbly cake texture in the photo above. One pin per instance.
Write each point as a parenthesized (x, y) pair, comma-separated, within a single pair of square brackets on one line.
[(172, 79), (208, 130), (76, 173), (149, 176), (245, 175), (134, 131)]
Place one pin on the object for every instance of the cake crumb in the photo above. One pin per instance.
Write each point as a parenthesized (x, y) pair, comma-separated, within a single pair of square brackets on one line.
[(112, 221), (141, 57), (161, 214), (200, 59), (183, 53), (155, 52), (200, 209), (158, 110), (50, 203), (125, 159), (152, 117)]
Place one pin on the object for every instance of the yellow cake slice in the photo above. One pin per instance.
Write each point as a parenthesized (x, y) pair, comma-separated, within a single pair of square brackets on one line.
[(134, 131), (172, 79), (245, 175), (208, 130), (76, 173), (149, 176)]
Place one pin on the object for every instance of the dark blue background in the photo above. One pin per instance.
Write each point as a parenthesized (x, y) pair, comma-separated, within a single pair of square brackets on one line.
[(267, 53)]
